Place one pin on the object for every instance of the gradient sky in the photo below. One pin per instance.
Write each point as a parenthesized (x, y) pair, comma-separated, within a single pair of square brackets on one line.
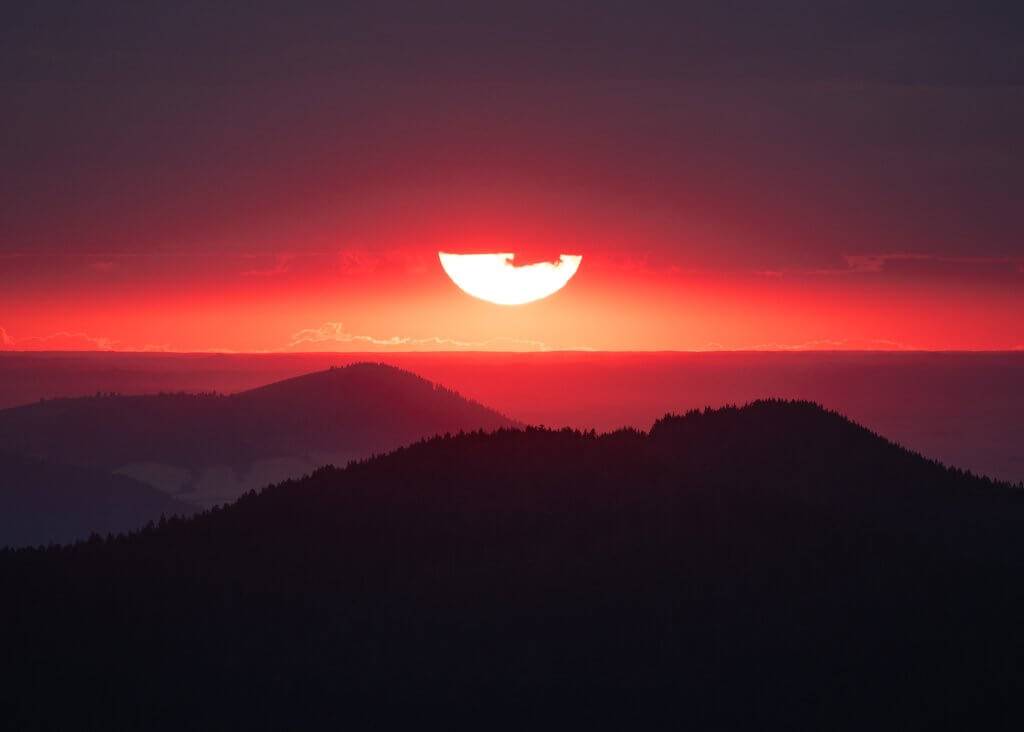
[(258, 176)]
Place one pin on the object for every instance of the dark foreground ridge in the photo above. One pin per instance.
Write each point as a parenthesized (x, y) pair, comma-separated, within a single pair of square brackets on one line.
[(731, 568)]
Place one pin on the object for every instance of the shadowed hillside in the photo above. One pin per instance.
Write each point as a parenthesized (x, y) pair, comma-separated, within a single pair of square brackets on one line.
[(42, 502), (964, 408), (210, 448), (731, 568)]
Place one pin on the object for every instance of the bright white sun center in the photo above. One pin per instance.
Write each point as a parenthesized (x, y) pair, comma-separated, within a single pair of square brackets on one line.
[(494, 278)]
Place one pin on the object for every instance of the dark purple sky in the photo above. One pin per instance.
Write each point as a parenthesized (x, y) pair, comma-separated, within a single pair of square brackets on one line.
[(786, 139)]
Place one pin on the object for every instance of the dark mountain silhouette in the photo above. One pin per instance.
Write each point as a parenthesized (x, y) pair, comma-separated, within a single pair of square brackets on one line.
[(737, 568), (210, 448), (43, 502)]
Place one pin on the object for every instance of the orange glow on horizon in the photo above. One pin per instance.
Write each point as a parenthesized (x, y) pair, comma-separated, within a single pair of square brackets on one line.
[(393, 301)]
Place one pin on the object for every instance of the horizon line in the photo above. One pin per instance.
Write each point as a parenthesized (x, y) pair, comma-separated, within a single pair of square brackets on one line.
[(553, 351)]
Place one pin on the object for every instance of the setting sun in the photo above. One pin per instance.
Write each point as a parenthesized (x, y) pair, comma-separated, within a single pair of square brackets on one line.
[(494, 277)]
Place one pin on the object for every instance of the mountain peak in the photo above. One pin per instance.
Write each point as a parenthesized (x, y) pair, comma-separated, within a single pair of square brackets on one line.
[(211, 449)]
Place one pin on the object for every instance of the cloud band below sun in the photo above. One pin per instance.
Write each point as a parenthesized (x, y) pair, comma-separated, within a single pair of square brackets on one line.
[(331, 334)]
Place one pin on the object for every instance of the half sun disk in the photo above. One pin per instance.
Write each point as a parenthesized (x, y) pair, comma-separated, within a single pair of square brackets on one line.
[(494, 278)]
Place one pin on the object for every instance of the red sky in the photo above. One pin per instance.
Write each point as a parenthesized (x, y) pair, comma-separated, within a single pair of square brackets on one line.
[(249, 181), (401, 300)]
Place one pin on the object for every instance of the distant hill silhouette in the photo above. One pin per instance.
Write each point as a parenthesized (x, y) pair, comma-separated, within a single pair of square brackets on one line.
[(43, 502), (210, 448), (738, 568)]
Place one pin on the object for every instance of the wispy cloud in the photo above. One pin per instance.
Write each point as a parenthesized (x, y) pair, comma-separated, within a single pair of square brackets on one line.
[(820, 344), (335, 333), (361, 261), (866, 263), (72, 341), (280, 266), (64, 341), (880, 262), (328, 336), (907, 263), (832, 344)]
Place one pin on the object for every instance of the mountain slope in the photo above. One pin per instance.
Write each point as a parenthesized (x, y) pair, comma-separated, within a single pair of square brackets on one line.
[(42, 502), (738, 567), (210, 448)]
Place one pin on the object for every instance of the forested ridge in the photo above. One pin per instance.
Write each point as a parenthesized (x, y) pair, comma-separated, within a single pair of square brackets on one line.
[(773, 563)]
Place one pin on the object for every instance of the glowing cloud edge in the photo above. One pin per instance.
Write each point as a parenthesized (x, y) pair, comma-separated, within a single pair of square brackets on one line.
[(495, 279)]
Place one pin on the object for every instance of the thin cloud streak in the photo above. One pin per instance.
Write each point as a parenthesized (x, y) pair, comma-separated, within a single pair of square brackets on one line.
[(829, 344), (66, 340), (875, 263), (334, 332), (282, 263), (63, 341)]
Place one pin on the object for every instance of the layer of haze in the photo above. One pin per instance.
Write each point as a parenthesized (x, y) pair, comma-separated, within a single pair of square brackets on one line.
[(259, 176), (965, 409)]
